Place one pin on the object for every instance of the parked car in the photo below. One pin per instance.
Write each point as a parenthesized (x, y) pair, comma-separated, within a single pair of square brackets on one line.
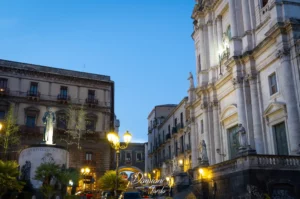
[(132, 195), (105, 194), (87, 194)]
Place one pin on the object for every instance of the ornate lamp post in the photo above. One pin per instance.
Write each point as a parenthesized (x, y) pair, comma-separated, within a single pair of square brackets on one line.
[(1, 126), (114, 140)]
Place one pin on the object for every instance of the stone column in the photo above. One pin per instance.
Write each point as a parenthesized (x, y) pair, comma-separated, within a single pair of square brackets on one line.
[(256, 115), (216, 130), (211, 144), (194, 143), (210, 43), (219, 31), (204, 107), (246, 15), (232, 15), (238, 83), (287, 88)]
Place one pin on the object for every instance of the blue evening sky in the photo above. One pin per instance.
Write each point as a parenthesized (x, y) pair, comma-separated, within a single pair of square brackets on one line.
[(145, 46)]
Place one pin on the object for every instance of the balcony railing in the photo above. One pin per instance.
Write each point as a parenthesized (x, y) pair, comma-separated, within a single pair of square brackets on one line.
[(257, 162), (30, 131), (179, 126), (90, 163), (33, 94), (61, 97), (91, 101), (4, 91)]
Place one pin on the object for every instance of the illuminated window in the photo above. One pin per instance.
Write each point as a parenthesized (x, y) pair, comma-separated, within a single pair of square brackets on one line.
[(273, 84), (88, 156)]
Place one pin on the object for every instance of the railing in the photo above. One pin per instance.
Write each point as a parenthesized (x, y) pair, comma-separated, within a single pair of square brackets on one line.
[(91, 101), (63, 97), (257, 162), (26, 130), (33, 94)]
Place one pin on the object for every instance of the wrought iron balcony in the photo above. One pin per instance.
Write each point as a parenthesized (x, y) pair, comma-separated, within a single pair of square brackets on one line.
[(63, 98), (174, 130), (91, 101), (33, 95), (168, 136)]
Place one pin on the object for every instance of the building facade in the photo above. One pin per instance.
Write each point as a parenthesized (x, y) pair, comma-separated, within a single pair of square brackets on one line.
[(171, 142), (247, 72), (30, 89)]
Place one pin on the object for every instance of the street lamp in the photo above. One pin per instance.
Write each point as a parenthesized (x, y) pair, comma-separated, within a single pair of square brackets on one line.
[(114, 140), (85, 171), (1, 126)]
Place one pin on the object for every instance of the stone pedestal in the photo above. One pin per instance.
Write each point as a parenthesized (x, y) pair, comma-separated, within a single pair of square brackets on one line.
[(246, 151), (181, 180), (33, 156)]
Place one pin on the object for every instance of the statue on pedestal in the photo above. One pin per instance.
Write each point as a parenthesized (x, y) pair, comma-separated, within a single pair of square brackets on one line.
[(174, 164), (191, 80), (242, 137), (49, 121), (204, 157)]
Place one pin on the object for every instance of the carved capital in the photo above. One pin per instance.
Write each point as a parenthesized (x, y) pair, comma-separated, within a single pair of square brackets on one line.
[(237, 80), (283, 53), (250, 77), (213, 104), (210, 23), (204, 105)]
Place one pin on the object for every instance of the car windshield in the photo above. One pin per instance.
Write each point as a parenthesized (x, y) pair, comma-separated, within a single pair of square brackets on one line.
[(132, 195)]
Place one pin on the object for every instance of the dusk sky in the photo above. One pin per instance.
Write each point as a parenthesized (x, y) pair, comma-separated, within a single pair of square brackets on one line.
[(144, 46)]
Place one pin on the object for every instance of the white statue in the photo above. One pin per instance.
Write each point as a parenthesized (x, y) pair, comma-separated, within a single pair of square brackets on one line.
[(242, 137), (164, 169), (204, 157), (191, 80), (49, 121), (175, 164)]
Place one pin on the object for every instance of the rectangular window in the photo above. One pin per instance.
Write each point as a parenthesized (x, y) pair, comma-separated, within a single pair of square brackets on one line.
[(139, 157), (91, 94), (169, 129), (88, 156), (30, 121), (3, 83), (181, 144), (181, 119), (169, 151), (281, 144), (2, 115), (189, 137), (164, 136), (128, 157), (175, 121), (63, 91), (176, 148), (233, 141), (201, 126), (33, 89), (273, 84)]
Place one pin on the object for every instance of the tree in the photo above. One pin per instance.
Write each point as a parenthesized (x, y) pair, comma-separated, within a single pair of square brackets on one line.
[(8, 177), (10, 136), (76, 121), (108, 181), (48, 173), (52, 174)]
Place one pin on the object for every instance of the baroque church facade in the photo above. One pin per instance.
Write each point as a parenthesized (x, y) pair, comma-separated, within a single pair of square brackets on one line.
[(243, 105), (247, 73)]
